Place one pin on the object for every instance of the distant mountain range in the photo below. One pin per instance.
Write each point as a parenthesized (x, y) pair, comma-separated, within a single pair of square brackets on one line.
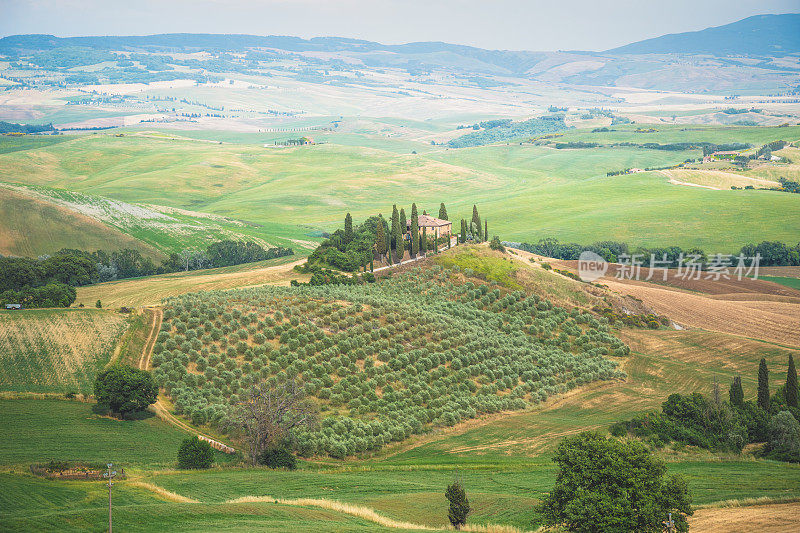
[(761, 35), (709, 60)]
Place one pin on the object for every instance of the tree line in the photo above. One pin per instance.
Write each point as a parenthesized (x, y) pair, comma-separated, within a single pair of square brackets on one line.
[(715, 424), (50, 281), (773, 253)]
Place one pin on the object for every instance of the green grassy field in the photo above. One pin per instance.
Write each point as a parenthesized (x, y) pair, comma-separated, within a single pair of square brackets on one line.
[(793, 283), (295, 193), (56, 350)]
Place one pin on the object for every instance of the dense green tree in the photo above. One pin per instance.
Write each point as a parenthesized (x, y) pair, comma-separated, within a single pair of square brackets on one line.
[(423, 242), (125, 390), (783, 438), (736, 394), (459, 504), (495, 244), (611, 485), (443, 212), (463, 231), (763, 385), (403, 220), (195, 453), (790, 391), (348, 228), (98, 304), (278, 457), (414, 231)]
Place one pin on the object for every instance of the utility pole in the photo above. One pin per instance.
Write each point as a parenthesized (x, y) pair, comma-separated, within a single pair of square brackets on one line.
[(109, 475)]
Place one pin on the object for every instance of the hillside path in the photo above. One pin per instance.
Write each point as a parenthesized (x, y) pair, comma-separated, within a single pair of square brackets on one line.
[(160, 409)]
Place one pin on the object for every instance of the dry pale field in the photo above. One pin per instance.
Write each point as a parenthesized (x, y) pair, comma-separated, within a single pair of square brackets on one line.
[(151, 290), (771, 518), (716, 179)]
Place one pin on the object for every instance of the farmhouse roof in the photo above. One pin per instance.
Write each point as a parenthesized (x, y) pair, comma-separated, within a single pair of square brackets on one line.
[(427, 221)]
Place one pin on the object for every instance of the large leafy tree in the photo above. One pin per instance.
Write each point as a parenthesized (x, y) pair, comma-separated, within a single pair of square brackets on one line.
[(125, 390), (611, 485), (763, 385)]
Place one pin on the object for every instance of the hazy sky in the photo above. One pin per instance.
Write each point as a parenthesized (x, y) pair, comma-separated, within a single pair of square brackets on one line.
[(499, 24)]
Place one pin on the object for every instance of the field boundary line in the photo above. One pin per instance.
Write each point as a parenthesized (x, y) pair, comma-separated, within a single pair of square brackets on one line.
[(366, 513), (159, 408)]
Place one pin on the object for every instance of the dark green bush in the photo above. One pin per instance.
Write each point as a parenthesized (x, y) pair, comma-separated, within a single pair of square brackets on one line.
[(195, 453), (278, 457)]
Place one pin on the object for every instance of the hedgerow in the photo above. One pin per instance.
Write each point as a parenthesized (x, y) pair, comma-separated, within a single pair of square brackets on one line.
[(384, 360)]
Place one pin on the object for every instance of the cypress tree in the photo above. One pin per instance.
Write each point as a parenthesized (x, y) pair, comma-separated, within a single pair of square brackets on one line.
[(443, 212), (423, 242), (348, 229), (414, 231), (403, 220), (463, 231), (394, 243), (459, 504), (790, 392), (475, 226), (380, 238), (486, 230), (763, 385), (736, 393)]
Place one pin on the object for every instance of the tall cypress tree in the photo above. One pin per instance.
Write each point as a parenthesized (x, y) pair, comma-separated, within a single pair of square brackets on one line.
[(348, 229), (736, 393), (414, 231), (443, 212), (463, 231), (475, 226), (380, 237), (423, 242), (394, 244), (763, 385), (403, 220), (790, 392), (486, 230)]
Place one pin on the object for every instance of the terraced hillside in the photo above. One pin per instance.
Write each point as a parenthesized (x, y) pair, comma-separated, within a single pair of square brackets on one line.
[(384, 361)]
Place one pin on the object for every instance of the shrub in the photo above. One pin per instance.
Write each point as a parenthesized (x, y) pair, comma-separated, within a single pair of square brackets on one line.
[(195, 453), (278, 457)]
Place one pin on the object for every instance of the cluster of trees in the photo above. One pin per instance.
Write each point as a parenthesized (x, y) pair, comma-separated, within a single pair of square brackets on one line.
[(11, 127), (505, 130), (125, 390), (715, 424), (773, 253), (350, 249), (50, 281), (382, 361)]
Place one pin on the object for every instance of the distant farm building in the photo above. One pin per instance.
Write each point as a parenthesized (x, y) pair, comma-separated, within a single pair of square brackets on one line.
[(13, 306), (432, 226)]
